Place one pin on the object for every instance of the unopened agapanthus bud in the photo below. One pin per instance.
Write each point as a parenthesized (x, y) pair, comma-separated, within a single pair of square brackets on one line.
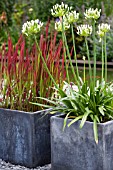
[(72, 17), (92, 13), (30, 10), (84, 30), (60, 10), (84, 58), (32, 27)]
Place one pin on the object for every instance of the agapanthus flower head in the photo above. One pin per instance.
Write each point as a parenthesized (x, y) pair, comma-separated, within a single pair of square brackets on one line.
[(32, 27), (104, 27), (72, 17), (100, 33), (84, 30), (92, 13), (60, 10), (59, 26)]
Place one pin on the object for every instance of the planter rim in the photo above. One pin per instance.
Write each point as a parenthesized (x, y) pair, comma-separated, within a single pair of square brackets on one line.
[(21, 111), (88, 122)]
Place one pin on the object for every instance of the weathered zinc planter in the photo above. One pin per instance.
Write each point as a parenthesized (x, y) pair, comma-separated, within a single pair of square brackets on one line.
[(75, 148), (25, 137)]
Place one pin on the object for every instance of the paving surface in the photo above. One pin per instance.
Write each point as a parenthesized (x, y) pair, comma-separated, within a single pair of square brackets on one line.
[(8, 166)]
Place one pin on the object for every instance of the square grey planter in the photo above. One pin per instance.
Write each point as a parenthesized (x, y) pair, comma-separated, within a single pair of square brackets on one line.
[(75, 148), (25, 137)]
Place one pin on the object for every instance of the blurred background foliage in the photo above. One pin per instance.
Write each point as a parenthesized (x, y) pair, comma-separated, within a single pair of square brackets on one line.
[(13, 13)]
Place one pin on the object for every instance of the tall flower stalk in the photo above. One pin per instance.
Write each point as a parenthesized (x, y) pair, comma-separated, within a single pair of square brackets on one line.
[(72, 17), (61, 25), (85, 31), (102, 77), (105, 57), (65, 21), (93, 15), (75, 57), (84, 78), (70, 61), (94, 52), (67, 68), (102, 30), (87, 49)]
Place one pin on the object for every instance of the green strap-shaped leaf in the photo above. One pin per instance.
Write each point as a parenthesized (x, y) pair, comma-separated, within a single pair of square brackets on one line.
[(109, 99), (75, 120), (62, 93), (45, 99), (84, 118), (65, 120), (95, 130), (43, 105), (101, 110)]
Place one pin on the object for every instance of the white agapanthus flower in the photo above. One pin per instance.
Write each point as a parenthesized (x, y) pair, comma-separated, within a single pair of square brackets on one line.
[(32, 27), (58, 25), (100, 33), (84, 30), (102, 29), (92, 13), (72, 17), (67, 88), (60, 10)]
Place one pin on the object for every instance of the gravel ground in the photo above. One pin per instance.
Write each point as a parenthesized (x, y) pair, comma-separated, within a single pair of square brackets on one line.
[(8, 166)]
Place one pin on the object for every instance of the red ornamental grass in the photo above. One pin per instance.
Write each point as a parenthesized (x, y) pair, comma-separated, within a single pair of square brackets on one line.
[(22, 73)]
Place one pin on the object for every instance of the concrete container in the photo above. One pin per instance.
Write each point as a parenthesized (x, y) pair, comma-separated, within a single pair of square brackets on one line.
[(25, 137), (75, 148)]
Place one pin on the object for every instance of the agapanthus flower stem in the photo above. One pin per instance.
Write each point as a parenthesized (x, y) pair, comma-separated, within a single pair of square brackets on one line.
[(89, 63), (102, 60), (84, 70), (65, 57), (75, 57), (70, 61), (94, 52), (105, 57), (69, 57)]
